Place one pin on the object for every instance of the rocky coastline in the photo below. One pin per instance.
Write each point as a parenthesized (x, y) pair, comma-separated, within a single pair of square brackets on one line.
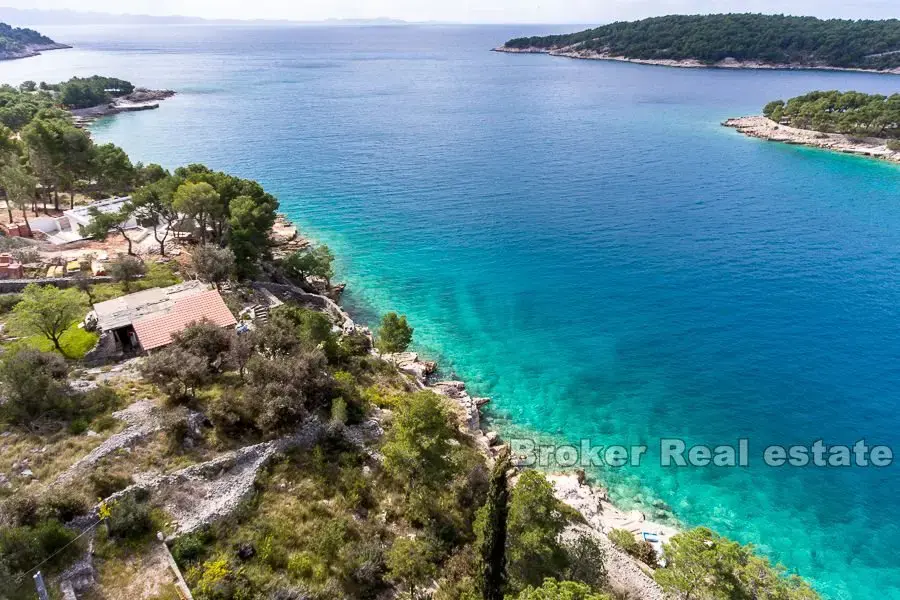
[(139, 99), (571, 487), (765, 129), (728, 63), (31, 50), (600, 515)]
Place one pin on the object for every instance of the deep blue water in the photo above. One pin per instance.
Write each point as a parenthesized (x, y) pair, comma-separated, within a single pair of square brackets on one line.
[(580, 241)]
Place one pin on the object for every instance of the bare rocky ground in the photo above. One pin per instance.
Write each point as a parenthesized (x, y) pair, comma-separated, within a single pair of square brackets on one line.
[(765, 129), (142, 417), (139, 99)]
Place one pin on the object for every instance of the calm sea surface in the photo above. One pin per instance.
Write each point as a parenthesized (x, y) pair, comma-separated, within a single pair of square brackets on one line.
[(582, 242)]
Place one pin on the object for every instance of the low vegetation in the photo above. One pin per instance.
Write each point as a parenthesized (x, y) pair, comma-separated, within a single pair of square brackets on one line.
[(641, 550)]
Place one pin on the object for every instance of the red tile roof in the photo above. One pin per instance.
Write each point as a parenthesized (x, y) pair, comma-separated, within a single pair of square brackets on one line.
[(156, 330)]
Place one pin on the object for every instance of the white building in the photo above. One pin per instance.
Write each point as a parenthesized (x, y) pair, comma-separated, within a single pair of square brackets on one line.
[(65, 229), (79, 216)]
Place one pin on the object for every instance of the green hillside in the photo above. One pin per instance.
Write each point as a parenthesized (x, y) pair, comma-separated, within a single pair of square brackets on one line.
[(16, 42), (770, 39)]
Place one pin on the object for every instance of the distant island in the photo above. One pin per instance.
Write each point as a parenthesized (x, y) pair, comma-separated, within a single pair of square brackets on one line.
[(732, 41), (849, 122), (16, 42), (39, 17)]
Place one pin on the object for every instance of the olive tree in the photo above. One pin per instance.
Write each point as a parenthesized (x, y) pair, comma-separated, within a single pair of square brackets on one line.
[(48, 311), (213, 263)]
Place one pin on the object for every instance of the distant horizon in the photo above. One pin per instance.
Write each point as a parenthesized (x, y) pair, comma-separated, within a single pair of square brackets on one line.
[(621, 10)]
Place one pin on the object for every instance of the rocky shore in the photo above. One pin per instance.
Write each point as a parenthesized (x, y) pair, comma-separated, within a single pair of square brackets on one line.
[(31, 50), (139, 99), (766, 129), (728, 63), (600, 515)]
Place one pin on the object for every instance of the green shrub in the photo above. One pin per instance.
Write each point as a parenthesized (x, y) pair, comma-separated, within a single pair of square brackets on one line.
[(646, 554), (78, 426), (105, 422), (623, 540), (130, 516), (100, 400), (893, 145), (586, 562), (20, 510), (364, 568), (329, 538), (23, 547), (560, 590), (177, 428), (176, 372), (339, 410), (308, 566), (354, 404), (232, 413), (64, 505), (34, 386), (639, 549), (534, 528), (355, 344), (106, 483), (703, 564), (85, 406), (289, 389), (190, 548), (207, 340), (8, 302)]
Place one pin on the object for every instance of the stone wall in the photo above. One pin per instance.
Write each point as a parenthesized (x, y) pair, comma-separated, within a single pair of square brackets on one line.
[(11, 286)]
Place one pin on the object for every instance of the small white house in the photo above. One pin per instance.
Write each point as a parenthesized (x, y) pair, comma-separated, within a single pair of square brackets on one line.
[(64, 229), (79, 216)]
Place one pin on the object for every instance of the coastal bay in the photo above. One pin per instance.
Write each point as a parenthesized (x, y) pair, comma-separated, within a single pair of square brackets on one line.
[(568, 263)]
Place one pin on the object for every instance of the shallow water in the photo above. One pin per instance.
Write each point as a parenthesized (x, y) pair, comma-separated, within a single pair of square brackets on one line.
[(582, 242)]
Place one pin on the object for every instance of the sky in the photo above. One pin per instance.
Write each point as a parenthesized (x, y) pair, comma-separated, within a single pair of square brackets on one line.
[(469, 11)]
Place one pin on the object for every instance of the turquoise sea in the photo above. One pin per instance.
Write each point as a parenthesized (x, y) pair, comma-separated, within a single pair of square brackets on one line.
[(582, 242)]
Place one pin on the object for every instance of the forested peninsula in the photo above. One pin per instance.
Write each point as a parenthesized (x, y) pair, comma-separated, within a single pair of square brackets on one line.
[(85, 98), (18, 42), (849, 122), (732, 40)]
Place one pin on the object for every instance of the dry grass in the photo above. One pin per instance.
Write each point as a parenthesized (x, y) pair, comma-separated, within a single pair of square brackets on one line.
[(46, 456)]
